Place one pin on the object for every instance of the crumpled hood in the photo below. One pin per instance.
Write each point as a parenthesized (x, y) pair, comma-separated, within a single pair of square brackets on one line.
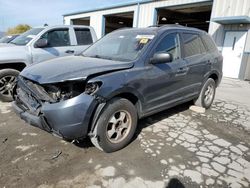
[(11, 52), (71, 68)]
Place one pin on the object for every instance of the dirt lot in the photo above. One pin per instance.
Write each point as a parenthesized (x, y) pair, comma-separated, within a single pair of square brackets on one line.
[(175, 148)]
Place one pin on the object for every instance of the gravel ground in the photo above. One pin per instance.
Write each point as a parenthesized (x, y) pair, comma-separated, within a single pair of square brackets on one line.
[(175, 148)]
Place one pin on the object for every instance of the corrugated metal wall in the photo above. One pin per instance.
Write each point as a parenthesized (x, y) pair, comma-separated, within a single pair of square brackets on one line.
[(231, 8), (247, 69), (147, 13), (226, 8)]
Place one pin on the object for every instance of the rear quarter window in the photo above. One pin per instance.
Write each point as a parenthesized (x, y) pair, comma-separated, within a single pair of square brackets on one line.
[(83, 36), (193, 44), (211, 47)]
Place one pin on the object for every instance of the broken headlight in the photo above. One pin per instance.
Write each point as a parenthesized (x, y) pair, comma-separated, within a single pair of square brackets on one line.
[(63, 91), (92, 88)]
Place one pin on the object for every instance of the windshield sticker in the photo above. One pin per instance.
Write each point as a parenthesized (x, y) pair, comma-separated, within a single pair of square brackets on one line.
[(144, 41), (145, 37)]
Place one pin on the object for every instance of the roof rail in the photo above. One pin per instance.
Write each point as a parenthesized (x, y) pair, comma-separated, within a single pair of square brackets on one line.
[(154, 26), (121, 28), (167, 25)]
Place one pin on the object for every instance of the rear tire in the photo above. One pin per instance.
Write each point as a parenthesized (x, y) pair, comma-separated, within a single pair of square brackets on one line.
[(207, 94), (116, 125), (7, 84)]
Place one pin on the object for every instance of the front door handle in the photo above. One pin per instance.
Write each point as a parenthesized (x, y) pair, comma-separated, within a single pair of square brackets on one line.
[(182, 70), (69, 51)]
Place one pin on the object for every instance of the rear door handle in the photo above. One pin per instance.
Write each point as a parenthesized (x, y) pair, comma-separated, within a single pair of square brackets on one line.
[(69, 51)]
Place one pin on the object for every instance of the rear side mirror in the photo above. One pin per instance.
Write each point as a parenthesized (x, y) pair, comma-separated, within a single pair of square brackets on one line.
[(41, 43), (159, 58)]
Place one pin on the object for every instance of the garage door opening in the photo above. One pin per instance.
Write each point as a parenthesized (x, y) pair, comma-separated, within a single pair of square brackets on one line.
[(197, 16), (81, 21), (117, 21)]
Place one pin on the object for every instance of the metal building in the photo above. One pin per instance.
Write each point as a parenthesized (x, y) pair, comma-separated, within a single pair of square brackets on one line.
[(227, 21)]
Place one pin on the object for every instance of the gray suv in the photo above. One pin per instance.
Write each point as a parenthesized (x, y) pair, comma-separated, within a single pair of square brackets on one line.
[(127, 75), (37, 45)]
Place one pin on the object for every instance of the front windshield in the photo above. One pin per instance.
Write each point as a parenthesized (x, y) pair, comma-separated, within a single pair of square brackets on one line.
[(26, 37), (124, 45), (5, 39)]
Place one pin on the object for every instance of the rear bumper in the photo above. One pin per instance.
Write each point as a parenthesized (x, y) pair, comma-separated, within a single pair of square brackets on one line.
[(69, 119)]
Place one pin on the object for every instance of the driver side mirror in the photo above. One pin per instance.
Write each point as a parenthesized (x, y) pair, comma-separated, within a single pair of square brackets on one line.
[(41, 43), (162, 57)]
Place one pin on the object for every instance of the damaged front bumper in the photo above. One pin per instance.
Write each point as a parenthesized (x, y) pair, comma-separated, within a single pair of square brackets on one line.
[(69, 119)]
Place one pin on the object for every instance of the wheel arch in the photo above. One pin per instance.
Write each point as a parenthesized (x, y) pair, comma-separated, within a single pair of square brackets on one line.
[(130, 94), (133, 97), (16, 66), (215, 77)]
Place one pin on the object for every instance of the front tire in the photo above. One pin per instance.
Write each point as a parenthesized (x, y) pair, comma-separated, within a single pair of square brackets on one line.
[(207, 94), (7, 84), (116, 125)]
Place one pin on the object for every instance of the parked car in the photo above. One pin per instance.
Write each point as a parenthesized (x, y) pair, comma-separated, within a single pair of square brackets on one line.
[(127, 75), (8, 38), (37, 45)]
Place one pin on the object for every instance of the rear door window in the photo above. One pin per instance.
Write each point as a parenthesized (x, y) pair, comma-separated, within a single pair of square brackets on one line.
[(211, 47), (83, 36), (193, 44)]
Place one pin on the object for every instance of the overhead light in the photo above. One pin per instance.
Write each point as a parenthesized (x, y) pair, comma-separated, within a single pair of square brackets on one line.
[(121, 22), (164, 19)]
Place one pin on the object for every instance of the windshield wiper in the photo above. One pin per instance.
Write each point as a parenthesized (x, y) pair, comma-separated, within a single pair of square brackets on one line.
[(96, 56), (12, 43), (101, 57)]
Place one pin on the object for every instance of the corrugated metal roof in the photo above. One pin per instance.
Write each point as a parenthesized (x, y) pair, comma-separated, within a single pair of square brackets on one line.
[(109, 7)]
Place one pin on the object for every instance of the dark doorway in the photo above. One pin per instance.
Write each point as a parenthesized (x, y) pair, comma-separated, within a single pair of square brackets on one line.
[(197, 16), (117, 21), (81, 21)]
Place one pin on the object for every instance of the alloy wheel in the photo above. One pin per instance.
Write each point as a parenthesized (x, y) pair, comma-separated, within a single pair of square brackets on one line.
[(119, 126), (7, 83), (209, 94)]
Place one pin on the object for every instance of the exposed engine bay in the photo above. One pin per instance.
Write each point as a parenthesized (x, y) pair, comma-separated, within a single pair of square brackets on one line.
[(57, 92)]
